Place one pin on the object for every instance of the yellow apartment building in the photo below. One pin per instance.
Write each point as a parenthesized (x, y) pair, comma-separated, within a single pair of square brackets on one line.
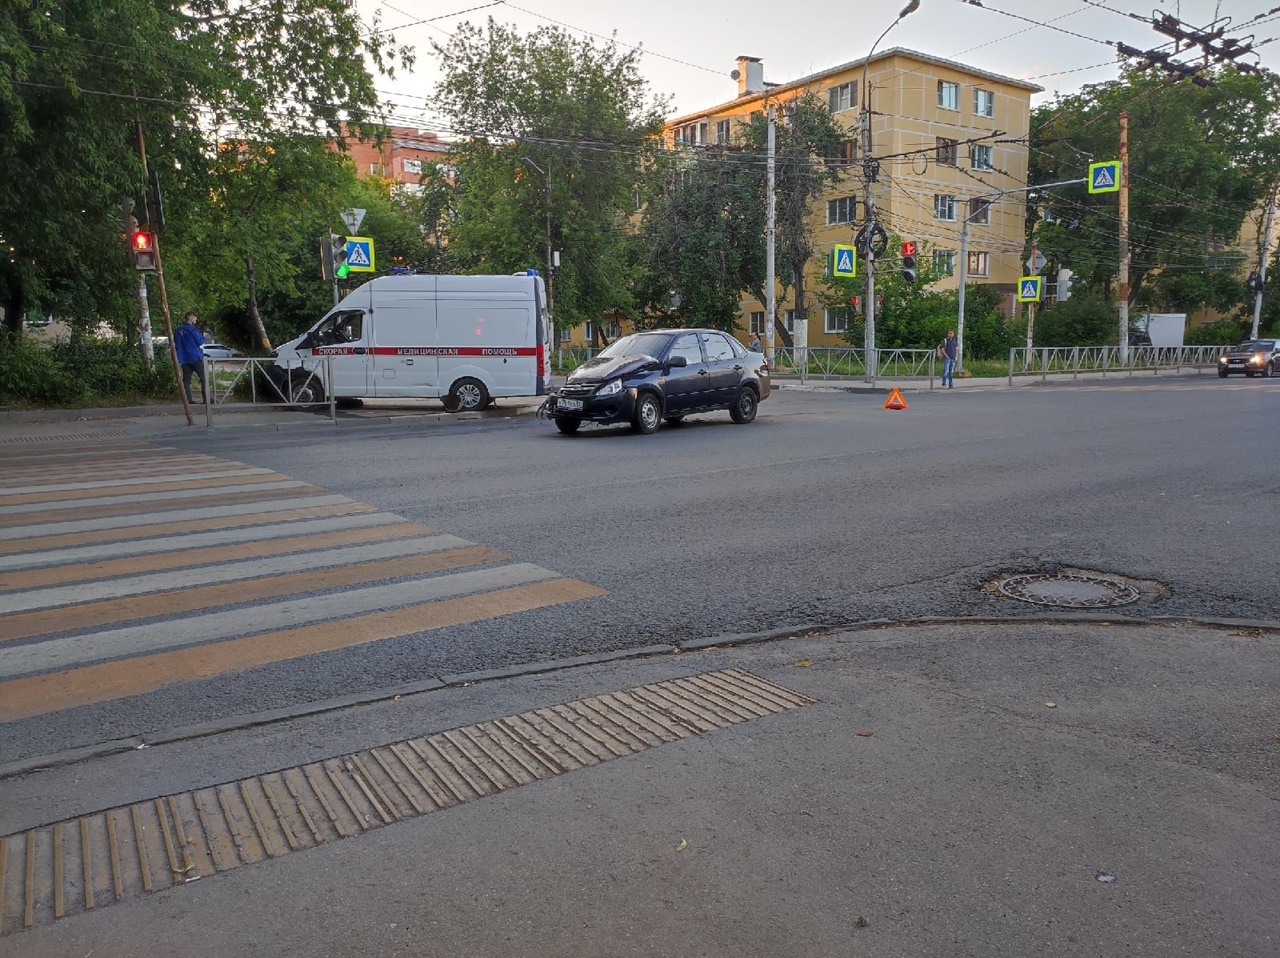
[(945, 133)]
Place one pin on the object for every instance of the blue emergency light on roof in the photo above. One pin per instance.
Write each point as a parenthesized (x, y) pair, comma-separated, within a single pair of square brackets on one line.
[(532, 272)]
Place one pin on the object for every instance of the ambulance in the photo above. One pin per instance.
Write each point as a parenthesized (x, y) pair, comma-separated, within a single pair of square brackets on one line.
[(464, 339)]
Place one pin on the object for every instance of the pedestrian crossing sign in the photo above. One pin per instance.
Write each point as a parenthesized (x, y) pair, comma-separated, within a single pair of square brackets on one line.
[(1029, 288), (844, 260), (360, 254), (1104, 177)]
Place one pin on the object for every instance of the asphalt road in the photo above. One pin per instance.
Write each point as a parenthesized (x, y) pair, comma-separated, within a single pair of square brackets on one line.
[(828, 511)]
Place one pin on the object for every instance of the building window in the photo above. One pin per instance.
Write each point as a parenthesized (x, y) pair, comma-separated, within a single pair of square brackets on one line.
[(835, 320), (979, 263), (757, 323), (984, 103), (413, 166), (843, 210), (790, 320), (588, 332), (980, 156), (948, 95), (377, 169), (944, 262), (947, 151), (842, 97), (944, 207), (722, 132), (980, 212), (693, 134)]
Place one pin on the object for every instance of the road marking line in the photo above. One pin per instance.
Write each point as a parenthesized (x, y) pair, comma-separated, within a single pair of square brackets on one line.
[(149, 499), (29, 658), (136, 467), (58, 575), (154, 479), (41, 694), (62, 494), (82, 605), (143, 508)]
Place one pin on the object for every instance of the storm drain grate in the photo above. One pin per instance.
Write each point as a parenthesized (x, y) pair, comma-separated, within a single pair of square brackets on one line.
[(80, 864), (1068, 590), (66, 437)]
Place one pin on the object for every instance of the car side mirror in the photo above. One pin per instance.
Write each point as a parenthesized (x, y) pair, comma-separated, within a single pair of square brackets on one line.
[(674, 362)]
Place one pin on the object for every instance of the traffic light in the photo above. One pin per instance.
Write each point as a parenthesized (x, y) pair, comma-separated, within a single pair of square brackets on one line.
[(1064, 284), (142, 245), (339, 247), (909, 274)]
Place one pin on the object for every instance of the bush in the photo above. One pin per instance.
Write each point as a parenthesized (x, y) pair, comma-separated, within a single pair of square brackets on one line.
[(81, 372), (1222, 333)]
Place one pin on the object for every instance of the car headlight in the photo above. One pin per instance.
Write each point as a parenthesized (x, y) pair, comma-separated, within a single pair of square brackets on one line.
[(1256, 359), (610, 388), (1222, 359)]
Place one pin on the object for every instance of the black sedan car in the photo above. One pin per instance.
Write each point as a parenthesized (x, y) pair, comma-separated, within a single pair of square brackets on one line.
[(1253, 357), (647, 377)]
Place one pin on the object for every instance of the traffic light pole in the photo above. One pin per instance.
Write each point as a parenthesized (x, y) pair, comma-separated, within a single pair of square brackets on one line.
[(1264, 252)]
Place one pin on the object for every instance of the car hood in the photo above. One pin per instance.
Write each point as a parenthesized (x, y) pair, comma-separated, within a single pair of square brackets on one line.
[(601, 369)]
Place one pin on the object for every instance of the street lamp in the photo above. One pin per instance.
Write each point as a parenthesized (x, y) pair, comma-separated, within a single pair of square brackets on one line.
[(547, 203), (869, 174)]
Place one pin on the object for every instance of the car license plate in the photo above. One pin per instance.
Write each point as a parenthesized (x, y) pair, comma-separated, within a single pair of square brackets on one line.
[(569, 405)]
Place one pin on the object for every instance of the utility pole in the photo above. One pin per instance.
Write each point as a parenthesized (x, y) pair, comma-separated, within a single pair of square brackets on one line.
[(1122, 287), (546, 202), (1264, 253), (770, 238)]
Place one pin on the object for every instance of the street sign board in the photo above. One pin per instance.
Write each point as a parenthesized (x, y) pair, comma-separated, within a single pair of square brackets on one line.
[(1035, 262), (360, 254), (353, 218), (1030, 288), (1104, 177), (844, 260)]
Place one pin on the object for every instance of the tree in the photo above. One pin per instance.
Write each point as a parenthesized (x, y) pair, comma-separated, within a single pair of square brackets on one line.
[(74, 76), (555, 125), (701, 240), (1200, 160), (807, 143)]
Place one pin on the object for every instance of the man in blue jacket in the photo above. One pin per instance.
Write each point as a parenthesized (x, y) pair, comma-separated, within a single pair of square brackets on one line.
[(189, 342)]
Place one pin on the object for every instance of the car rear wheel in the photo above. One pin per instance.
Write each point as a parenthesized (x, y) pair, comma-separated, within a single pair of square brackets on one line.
[(647, 415), (744, 407), (568, 426), (467, 395), (1222, 374)]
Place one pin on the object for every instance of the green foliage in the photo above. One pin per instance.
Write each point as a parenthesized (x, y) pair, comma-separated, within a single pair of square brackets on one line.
[(1200, 161), (1087, 319), (79, 372), (560, 126), (701, 237), (1223, 333), (988, 334)]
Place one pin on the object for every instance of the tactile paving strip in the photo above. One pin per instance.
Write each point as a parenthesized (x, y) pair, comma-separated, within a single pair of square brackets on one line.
[(80, 864)]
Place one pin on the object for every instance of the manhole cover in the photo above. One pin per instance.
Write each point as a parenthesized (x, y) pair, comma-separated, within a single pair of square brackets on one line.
[(1068, 591)]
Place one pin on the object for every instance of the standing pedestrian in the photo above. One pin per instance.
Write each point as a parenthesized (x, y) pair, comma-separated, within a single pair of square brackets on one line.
[(189, 342), (947, 353), (755, 343)]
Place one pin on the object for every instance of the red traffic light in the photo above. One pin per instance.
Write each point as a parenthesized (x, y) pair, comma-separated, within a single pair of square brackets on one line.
[(142, 241), (909, 248), (142, 246)]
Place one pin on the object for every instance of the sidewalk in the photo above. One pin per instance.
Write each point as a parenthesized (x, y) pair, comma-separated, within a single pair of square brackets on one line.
[(953, 789)]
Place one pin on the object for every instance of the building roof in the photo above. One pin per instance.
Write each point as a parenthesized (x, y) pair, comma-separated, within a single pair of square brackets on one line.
[(776, 88)]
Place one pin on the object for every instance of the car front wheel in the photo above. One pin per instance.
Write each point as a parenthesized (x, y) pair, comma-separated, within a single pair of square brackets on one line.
[(647, 415), (1222, 374), (744, 407), (568, 426)]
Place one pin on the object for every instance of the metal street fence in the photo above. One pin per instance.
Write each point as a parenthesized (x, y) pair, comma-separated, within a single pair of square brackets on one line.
[(246, 381), (1060, 360)]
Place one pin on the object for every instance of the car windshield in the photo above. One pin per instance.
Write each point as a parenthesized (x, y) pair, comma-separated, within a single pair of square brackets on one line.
[(1253, 346), (637, 344)]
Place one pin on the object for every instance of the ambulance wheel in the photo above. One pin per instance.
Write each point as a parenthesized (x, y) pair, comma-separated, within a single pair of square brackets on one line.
[(306, 389), (467, 395)]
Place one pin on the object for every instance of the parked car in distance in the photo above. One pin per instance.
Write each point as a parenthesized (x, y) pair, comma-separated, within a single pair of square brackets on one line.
[(1253, 357), (219, 351), (665, 374)]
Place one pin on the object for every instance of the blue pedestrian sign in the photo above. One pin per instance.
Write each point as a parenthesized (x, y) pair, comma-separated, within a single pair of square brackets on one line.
[(1104, 177), (360, 254), (1029, 289), (844, 260)]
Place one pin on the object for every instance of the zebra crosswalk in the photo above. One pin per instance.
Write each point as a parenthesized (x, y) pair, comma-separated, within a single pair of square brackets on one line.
[(126, 567)]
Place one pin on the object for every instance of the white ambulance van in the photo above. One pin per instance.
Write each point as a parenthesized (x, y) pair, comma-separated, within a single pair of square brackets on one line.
[(464, 339)]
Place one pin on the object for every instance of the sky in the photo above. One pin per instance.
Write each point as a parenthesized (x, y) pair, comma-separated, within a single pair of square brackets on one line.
[(691, 45)]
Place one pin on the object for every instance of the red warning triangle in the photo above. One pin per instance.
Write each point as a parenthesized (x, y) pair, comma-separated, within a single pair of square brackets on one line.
[(895, 400)]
